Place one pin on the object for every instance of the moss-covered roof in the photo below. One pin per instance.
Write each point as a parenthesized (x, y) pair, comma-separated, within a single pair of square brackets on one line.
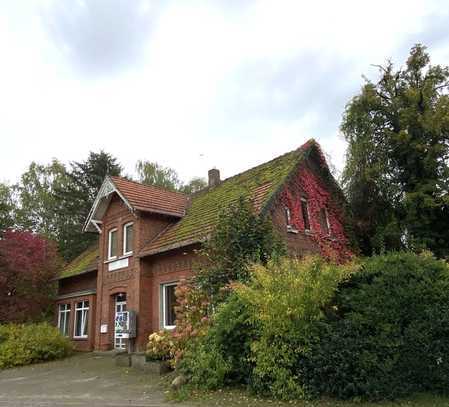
[(85, 262), (259, 184)]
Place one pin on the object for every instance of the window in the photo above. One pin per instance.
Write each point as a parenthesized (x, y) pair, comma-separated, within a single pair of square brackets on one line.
[(305, 214), (324, 221), (81, 319), (168, 316), (63, 319), (128, 238), (288, 217), (112, 244)]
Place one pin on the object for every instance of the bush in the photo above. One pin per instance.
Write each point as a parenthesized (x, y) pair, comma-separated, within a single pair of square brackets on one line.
[(287, 300), (31, 343), (222, 356), (160, 346), (389, 334)]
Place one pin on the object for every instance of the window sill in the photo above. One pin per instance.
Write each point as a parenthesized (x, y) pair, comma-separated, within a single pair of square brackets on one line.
[(80, 338), (292, 230), (169, 327), (125, 256)]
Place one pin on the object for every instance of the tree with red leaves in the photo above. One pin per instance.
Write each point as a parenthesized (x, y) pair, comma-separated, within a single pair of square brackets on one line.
[(28, 264)]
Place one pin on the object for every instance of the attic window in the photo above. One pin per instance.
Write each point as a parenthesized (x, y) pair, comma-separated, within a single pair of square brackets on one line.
[(288, 218), (305, 214), (128, 238)]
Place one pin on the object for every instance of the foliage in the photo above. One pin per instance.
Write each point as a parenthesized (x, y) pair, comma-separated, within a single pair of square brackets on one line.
[(397, 174), (194, 185), (26, 344), (152, 173), (160, 346), (37, 204), (389, 332), (222, 355), (287, 299), (75, 198), (28, 263), (6, 207), (240, 238)]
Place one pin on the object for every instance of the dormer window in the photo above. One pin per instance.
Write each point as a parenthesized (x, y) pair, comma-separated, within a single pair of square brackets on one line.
[(128, 238), (305, 214), (112, 244)]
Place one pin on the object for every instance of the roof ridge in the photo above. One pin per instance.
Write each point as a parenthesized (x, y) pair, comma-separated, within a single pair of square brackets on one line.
[(149, 186)]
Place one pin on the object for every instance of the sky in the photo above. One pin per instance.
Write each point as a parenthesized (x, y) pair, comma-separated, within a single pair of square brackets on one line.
[(193, 85)]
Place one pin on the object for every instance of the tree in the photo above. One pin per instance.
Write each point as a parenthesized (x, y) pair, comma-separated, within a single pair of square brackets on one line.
[(396, 174), (194, 185), (75, 199), (28, 263), (36, 210), (240, 239), (6, 207), (152, 173)]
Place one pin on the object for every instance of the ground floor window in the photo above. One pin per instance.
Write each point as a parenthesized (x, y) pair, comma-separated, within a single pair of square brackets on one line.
[(81, 319), (63, 319), (168, 298)]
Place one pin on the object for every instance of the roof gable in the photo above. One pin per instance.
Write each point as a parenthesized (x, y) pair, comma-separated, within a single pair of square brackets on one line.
[(260, 184), (136, 196)]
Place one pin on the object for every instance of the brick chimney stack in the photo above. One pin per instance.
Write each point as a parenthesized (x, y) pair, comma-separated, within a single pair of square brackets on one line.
[(214, 177)]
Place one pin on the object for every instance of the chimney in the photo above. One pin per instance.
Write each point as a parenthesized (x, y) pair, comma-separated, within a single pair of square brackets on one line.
[(214, 177)]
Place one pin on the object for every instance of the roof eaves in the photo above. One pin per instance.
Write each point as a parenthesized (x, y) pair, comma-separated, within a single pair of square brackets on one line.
[(173, 246)]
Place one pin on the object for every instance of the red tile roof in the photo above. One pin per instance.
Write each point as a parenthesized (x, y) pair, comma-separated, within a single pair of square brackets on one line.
[(148, 198)]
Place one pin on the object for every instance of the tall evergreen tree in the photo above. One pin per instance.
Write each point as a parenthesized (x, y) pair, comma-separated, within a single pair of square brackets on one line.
[(75, 199), (397, 175)]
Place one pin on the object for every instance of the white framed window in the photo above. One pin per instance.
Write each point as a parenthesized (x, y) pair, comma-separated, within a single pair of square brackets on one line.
[(168, 303), (288, 218), (64, 318), (305, 214), (81, 319), (128, 238), (112, 244)]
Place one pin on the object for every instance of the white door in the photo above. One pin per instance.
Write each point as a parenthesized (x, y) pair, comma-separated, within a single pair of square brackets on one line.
[(120, 306)]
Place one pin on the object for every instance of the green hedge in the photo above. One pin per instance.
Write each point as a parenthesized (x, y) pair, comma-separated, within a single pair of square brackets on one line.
[(31, 343), (375, 330), (389, 335)]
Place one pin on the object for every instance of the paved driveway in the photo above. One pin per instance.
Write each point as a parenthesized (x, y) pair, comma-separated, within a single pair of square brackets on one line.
[(81, 380)]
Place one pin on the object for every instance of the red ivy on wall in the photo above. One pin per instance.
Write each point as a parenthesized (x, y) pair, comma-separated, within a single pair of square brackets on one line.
[(333, 245)]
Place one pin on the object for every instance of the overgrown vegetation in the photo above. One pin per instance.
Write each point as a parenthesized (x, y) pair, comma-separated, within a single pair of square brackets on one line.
[(31, 343), (304, 329), (397, 170)]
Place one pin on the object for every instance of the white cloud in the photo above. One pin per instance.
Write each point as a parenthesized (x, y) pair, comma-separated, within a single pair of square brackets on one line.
[(192, 84)]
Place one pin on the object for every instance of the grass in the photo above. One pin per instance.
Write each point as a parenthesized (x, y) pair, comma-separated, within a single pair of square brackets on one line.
[(238, 397)]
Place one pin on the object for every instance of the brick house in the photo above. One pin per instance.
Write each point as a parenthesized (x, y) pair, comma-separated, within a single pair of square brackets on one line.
[(148, 236)]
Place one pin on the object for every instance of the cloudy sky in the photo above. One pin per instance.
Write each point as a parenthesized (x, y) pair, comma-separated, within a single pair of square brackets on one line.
[(193, 84)]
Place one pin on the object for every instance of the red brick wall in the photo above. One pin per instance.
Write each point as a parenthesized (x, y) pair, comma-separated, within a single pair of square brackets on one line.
[(81, 344)]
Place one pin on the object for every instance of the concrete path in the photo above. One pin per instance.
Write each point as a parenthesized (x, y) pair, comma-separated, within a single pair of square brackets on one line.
[(81, 380)]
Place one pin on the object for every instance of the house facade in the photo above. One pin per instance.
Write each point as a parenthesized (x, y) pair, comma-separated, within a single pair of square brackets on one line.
[(148, 238)]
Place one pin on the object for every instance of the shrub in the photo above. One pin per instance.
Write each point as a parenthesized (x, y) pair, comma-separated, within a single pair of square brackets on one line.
[(389, 334), (160, 346), (31, 343), (222, 356), (286, 300)]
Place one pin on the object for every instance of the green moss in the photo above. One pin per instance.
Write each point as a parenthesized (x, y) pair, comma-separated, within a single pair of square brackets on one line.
[(84, 262), (262, 181)]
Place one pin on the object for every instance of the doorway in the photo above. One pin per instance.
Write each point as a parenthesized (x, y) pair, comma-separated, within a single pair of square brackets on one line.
[(120, 307)]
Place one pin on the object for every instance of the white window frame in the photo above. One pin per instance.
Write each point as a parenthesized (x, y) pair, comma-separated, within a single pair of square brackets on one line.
[(288, 216), (110, 244), (326, 215), (84, 320), (64, 309), (163, 302), (308, 215), (125, 226)]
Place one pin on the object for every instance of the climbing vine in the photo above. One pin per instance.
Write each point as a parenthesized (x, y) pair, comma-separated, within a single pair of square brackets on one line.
[(332, 242)]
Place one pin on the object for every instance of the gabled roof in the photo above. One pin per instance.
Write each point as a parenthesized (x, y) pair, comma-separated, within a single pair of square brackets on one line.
[(136, 196), (259, 184), (84, 263)]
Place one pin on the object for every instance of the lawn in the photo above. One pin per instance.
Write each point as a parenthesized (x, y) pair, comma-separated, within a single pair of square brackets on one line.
[(233, 398)]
